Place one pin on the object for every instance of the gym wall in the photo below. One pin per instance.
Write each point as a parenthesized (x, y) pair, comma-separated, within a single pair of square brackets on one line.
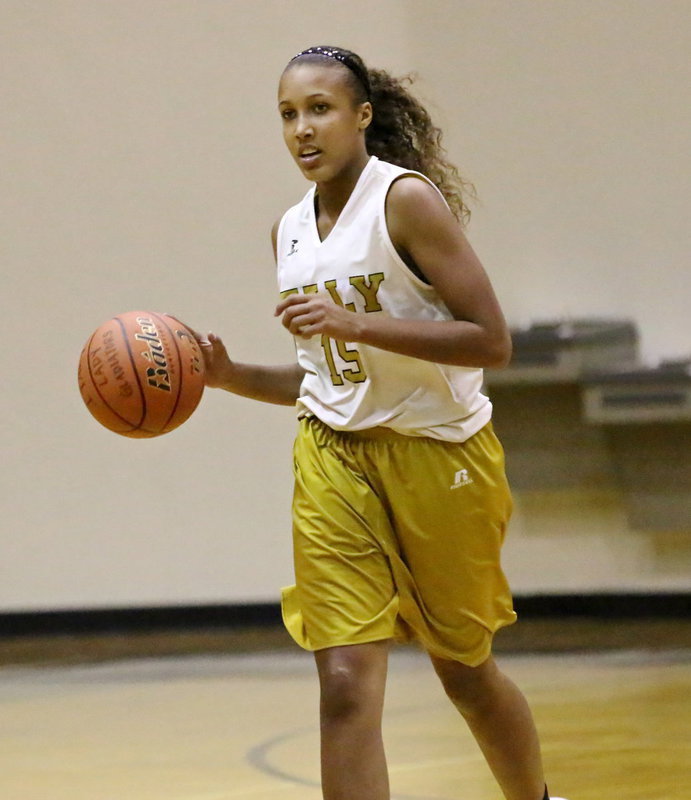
[(143, 168)]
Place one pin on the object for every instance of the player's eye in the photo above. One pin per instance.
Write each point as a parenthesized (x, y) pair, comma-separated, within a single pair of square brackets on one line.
[(287, 113), (320, 108)]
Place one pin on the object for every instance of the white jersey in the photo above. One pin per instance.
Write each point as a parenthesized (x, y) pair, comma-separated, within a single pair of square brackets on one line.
[(351, 386)]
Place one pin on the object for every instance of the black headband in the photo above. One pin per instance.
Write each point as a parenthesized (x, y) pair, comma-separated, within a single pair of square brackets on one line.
[(346, 59)]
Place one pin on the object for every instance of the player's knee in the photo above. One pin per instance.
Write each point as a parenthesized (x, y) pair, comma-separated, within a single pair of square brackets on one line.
[(352, 680), (470, 689), (342, 693)]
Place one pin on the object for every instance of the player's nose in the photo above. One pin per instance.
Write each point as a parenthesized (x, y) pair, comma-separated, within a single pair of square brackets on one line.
[(303, 127)]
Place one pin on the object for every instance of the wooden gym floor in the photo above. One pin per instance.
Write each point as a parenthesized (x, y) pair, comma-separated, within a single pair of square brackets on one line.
[(127, 718)]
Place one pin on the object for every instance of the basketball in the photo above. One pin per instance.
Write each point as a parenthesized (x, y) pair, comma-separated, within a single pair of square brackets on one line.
[(141, 374)]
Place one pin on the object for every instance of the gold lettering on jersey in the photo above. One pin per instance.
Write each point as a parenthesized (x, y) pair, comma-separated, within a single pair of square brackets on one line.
[(330, 286), (355, 374), (369, 289), (336, 379)]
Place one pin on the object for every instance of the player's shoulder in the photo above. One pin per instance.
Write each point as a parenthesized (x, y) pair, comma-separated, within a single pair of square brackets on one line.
[(413, 203), (411, 193)]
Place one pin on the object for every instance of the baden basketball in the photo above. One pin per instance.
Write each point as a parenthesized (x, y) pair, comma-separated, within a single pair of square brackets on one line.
[(141, 374)]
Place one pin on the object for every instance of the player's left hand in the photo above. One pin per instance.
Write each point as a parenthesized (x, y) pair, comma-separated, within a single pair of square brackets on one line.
[(309, 314)]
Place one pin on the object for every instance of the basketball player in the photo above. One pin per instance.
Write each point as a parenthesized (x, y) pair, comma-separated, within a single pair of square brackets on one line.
[(401, 501)]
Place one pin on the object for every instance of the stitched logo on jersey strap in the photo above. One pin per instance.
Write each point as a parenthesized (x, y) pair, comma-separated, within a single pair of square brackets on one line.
[(460, 478), (293, 249)]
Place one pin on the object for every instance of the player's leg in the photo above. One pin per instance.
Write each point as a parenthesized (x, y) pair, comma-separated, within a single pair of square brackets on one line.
[(343, 606), (451, 524), (499, 717), (352, 681)]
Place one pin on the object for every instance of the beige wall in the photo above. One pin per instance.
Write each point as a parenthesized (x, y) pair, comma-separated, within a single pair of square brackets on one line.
[(573, 118), (142, 168)]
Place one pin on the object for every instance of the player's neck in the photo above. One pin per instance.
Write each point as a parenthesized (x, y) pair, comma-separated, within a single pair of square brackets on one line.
[(333, 195)]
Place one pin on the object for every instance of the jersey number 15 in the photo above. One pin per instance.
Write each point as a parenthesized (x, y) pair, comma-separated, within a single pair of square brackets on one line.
[(356, 374)]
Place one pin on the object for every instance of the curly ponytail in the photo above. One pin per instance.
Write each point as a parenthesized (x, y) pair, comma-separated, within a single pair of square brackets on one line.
[(401, 130), (403, 133)]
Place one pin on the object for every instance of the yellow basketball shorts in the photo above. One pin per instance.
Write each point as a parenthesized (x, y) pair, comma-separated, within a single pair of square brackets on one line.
[(398, 537)]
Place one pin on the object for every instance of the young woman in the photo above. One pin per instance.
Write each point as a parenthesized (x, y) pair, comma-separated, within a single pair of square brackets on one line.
[(401, 502)]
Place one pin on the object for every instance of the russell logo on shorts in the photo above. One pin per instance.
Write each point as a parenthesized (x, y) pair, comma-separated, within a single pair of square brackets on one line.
[(460, 479)]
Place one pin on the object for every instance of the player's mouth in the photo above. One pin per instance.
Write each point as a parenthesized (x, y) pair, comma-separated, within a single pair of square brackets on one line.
[(308, 156)]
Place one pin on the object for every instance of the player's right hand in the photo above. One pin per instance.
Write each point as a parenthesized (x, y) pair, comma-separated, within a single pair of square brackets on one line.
[(218, 366), (217, 362)]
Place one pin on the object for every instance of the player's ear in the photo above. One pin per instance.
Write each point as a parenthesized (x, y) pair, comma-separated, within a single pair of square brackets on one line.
[(365, 115)]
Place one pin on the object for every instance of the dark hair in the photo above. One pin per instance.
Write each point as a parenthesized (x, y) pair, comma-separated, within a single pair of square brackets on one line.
[(401, 131)]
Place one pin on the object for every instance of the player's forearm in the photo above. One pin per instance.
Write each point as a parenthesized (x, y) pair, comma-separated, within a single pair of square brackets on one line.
[(270, 384), (454, 342)]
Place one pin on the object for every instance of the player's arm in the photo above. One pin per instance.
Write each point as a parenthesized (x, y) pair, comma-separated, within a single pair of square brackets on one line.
[(272, 384), (427, 236), (278, 384), (430, 240)]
